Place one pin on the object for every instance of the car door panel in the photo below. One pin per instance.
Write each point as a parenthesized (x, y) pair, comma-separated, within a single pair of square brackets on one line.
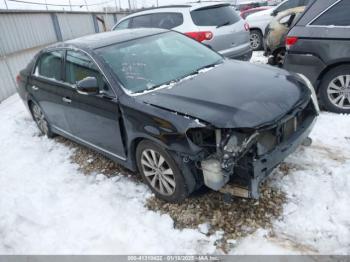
[(93, 118), (47, 89)]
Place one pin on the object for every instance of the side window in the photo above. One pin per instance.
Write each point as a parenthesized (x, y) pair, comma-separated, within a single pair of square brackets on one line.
[(141, 21), (50, 65), (123, 25), (338, 15), (80, 66), (167, 20)]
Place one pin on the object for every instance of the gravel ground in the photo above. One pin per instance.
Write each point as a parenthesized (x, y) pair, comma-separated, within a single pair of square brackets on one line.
[(211, 212)]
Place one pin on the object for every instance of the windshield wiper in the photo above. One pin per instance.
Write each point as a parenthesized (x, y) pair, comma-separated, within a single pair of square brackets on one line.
[(176, 80), (204, 67), (224, 24)]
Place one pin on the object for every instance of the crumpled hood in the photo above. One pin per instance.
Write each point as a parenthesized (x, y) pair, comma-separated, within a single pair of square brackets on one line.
[(233, 95)]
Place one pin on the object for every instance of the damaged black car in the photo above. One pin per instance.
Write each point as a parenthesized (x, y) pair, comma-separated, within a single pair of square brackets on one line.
[(162, 104)]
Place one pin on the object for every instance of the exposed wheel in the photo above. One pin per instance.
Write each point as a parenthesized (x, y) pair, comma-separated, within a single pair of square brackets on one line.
[(279, 57), (335, 90), (256, 40), (40, 120), (160, 172)]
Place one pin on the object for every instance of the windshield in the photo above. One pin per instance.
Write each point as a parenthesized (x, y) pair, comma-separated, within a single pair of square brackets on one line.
[(146, 63)]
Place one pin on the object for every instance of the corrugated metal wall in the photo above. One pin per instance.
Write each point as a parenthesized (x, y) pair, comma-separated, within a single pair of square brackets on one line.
[(22, 34)]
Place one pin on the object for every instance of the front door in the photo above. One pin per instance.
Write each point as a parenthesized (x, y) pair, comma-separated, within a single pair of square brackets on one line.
[(94, 119)]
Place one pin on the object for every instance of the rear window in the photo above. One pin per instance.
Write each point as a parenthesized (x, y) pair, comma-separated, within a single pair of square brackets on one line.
[(158, 20), (338, 15), (215, 16), (50, 65), (141, 21), (167, 20)]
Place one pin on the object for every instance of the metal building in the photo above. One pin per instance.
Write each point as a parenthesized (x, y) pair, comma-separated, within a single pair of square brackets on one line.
[(23, 33)]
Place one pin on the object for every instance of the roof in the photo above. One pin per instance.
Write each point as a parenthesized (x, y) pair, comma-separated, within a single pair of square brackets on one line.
[(104, 39), (175, 8)]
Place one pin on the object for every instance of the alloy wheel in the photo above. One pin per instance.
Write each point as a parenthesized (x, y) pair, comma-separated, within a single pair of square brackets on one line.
[(338, 91), (39, 118), (254, 41), (158, 172)]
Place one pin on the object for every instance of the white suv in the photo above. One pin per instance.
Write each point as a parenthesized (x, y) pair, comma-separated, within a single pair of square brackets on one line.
[(216, 25)]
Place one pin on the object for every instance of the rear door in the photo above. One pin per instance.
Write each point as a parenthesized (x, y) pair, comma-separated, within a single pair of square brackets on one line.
[(225, 24), (48, 89)]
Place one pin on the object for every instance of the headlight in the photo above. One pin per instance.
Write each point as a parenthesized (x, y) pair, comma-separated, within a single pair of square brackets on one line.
[(313, 93)]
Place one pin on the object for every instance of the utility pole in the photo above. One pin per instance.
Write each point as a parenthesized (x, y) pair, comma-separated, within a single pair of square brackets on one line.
[(129, 5), (116, 7), (6, 4), (120, 5), (46, 5), (87, 8), (157, 3), (70, 5)]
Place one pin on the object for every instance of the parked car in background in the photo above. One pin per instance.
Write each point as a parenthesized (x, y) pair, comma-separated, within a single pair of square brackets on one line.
[(215, 25), (318, 46), (259, 21), (276, 33), (251, 11), (162, 104)]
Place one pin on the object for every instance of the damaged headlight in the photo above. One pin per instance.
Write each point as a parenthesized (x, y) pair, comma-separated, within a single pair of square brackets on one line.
[(238, 143)]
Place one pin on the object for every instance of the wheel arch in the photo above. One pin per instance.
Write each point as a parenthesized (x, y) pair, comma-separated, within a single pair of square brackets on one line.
[(327, 69)]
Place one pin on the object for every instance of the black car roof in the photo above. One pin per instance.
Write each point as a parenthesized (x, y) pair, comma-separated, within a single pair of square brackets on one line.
[(107, 38)]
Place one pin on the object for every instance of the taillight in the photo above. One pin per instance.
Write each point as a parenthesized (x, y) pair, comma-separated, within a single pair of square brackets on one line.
[(290, 41), (246, 26), (18, 79), (200, 36)]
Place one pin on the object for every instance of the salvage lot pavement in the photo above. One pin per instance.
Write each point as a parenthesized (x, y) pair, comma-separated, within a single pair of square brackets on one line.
[(59, 198)]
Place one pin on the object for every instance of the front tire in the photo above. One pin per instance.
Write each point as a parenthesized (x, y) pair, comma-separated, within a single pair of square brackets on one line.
[(334, 90), (40, 120), (160, 172), (256, 40)]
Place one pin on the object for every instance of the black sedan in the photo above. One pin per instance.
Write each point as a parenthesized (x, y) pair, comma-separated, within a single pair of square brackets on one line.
[(167, 106)]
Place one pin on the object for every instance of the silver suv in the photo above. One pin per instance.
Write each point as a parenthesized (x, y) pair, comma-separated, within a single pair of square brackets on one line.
[(215, 25)]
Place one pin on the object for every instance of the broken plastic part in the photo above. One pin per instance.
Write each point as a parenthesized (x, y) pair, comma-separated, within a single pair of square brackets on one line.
[(214, 177)]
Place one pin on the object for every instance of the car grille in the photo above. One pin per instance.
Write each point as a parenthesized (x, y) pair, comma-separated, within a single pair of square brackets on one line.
[(270, 138)]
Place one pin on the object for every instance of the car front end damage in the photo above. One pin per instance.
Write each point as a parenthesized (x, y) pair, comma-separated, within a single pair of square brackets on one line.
[(237, 161)]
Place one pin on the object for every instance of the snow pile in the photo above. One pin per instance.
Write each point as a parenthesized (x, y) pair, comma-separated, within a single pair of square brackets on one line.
[(318, 210), (48, 207)]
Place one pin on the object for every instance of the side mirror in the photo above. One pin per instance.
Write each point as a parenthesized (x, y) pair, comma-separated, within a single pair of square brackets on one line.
[(88, 86), (274, 12)]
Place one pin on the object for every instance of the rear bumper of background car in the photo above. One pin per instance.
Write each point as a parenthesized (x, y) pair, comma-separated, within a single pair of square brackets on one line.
[(306, 64), (241, 52)]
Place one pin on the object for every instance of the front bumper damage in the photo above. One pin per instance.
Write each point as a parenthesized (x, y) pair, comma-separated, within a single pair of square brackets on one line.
[(240, 170)]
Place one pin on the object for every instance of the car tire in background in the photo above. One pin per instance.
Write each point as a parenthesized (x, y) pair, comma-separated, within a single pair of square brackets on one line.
[(334, 91), (256, 40), (40, 119), (160, 172)]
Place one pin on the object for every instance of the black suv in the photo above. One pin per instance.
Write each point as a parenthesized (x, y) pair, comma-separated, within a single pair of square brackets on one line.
[(319, 47)]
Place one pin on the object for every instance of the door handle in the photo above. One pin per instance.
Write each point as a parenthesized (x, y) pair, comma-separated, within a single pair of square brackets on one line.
[(66, 100), (35, 88)]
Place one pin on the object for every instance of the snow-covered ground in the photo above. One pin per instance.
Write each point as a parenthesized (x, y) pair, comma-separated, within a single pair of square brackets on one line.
[(47, 206)]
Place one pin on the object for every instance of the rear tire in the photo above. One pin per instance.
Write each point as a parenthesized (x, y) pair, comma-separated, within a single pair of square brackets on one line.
[(256, 40), (279, 57), (160, 172), (334, 90), (40, 120)]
